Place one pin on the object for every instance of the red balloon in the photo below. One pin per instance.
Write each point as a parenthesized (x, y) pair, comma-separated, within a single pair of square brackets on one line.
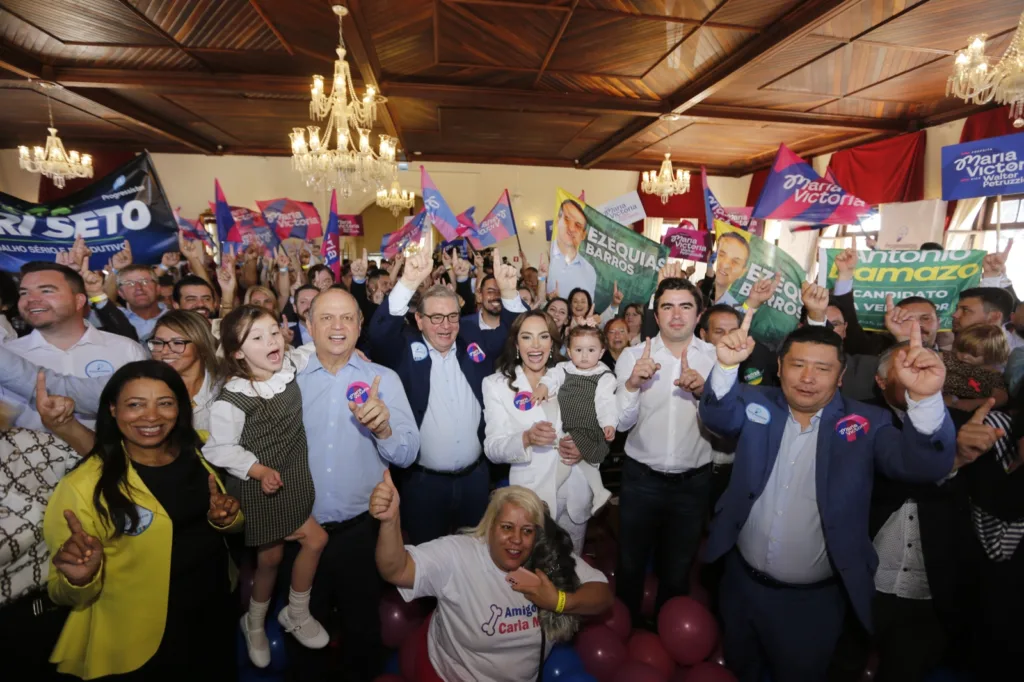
[(398, 618), (709, 672), (679, 675), (650, 595), (635, 671), (601, 651), (617, 620), (717, 656), (688, 631), (411, 648), (698, 593), (647, 648)]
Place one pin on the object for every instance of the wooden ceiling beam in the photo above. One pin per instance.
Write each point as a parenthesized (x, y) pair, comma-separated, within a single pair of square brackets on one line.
[(182, 81), (19, 63), (270, 24), (360, 47), (509, 3), (674, 20), (555, 41), (171, 42), (791, 28)]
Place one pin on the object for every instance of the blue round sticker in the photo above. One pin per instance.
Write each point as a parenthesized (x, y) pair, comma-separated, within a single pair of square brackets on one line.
[(419, 351), (476, 354), (98, 368), (523, 401), (358, 392)]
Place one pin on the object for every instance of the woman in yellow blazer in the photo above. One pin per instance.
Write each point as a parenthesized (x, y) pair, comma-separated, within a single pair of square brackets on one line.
[(134, 535)]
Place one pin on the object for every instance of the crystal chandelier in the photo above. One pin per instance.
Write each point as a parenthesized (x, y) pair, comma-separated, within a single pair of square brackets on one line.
[(53, 161), (978, 79), (396, 199), (664, 183), (353, 161)]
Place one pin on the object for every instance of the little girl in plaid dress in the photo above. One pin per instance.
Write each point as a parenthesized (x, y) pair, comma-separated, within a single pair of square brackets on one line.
[(257, 435)]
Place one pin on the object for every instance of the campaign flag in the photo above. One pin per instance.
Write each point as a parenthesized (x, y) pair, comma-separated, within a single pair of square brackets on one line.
[(240, 225), (128, 203), (624, 210), (714, 211), (192, 230), (395, 242), (466, 221), (984, 168), (441, 215), (794, 191), (289, 218), (742, 216), (594, 252), (938, 276), (350, 225), (330, 247), (689, 244), (745, 260), (498, 224), (459, 244)]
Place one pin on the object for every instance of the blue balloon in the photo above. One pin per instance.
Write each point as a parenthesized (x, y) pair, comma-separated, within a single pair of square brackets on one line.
[(393, 666), (563, 664)]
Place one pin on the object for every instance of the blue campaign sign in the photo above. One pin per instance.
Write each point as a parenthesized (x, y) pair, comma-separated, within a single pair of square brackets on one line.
[(984, 168), (126, 204)]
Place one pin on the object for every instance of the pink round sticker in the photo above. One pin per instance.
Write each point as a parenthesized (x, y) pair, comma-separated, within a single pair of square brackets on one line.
[(851, 426), (476, 353), (358, 392)]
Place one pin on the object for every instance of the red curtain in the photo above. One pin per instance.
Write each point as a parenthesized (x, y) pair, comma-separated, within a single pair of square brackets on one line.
[(689, 205), (881, 172), (986, 124), (756, 185), (102, 164)]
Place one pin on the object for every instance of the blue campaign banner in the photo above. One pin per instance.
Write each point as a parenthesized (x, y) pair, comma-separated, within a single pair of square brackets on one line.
[(126, 204), (985, 168), (459, 244)]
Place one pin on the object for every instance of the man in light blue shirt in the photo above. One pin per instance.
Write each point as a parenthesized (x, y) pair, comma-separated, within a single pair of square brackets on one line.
[(568, 270), (136, 284), (358, 423)]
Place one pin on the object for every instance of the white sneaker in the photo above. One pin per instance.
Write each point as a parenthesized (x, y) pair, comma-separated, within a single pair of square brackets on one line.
[(257, 644), (309, 632)]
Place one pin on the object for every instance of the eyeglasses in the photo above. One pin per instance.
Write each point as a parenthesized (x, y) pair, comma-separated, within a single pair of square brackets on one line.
[(453, 318), (176, 345), (135, 283)]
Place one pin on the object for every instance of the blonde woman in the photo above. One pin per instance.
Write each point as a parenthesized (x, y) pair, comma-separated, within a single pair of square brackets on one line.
[(490, 605)]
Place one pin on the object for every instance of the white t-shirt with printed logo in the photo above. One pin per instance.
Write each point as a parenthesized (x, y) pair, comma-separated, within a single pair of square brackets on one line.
[(482, 629)]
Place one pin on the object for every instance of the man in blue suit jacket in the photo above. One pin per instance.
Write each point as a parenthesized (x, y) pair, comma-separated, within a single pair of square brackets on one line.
[(442, 372), (793, 523)]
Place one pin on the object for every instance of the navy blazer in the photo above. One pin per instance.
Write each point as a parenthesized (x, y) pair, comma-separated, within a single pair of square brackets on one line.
[(392, 342), (844, 474)]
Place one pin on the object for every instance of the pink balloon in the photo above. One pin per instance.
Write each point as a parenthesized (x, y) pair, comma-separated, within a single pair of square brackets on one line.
[(709, 672), (398, 618), (409, 653), (698, 593), (679, 675), (617, 620), (688, 631), (647, 648), (601, 651), (635, 671), (650, 595)]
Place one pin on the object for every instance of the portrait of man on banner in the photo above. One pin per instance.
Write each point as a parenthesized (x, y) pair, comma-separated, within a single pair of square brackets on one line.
[(730, 264), (568, 269)]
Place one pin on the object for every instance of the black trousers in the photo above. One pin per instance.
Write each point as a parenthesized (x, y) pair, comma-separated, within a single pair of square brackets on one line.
[(346, 597), (998, 625), (664, 515), (29, 628)]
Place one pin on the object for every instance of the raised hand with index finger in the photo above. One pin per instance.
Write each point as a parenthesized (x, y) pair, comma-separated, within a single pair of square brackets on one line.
[(80, 557), (689, 379), (643, 370), (975, 438), (737, 345), (373, 414), (55, 411), (919, 369)]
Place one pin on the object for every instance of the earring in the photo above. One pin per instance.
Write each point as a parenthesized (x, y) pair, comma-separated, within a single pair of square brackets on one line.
[(517, 353)]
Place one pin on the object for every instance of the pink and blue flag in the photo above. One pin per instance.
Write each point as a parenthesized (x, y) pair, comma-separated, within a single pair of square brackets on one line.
[(497, 225), (395, 242), (289, 218), (441, 215), (794, 191), (330, 248), (240, 225), (192, 230)]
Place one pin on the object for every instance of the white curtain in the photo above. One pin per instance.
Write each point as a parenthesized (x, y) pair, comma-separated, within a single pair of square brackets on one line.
[(964, 216), (652, 228)]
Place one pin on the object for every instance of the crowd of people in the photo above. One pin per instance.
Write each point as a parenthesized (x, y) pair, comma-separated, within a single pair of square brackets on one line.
[(443, 425)]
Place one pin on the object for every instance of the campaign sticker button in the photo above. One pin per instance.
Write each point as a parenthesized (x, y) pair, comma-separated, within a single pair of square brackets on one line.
[(523, 401), (358, 392)]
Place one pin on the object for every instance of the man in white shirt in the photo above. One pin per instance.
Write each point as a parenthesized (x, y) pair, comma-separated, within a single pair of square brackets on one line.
[(568, 270), (666, 476), (52, 299)]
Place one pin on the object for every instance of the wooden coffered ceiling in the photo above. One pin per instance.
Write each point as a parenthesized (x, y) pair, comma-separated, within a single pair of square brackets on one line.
[(558, 82)]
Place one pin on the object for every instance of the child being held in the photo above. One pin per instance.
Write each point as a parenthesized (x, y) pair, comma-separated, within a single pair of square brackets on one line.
[(585, 388), (974, 368)]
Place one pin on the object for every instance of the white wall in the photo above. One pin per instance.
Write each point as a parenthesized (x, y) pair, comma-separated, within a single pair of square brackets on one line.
[(14, 180)]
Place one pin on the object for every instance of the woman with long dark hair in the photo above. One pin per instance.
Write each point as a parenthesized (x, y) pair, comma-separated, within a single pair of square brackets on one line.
[(530, 437), (134, 533)]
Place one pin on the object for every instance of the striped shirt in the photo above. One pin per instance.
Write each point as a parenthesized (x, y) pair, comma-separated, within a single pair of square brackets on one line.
[(999, 538)]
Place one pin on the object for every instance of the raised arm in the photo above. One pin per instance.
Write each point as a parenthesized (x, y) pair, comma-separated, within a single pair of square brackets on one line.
[(720, 407), (394, 562)]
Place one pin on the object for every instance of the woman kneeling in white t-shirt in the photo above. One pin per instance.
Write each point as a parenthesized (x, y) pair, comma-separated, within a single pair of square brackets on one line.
[(483, 628)]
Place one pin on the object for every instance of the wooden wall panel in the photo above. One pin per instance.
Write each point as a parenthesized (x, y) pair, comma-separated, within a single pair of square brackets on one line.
[(495, 36)]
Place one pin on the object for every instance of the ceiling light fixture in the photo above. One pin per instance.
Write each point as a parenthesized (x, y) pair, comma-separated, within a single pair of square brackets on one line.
[(53, 161), (664, 183), (978, 79)]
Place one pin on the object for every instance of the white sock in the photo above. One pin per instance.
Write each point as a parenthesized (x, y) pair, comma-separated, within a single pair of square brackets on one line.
[(257, 613), (298, 605)]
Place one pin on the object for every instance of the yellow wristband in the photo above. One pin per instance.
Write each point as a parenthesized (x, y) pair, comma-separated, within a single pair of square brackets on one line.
[(560, 606), (98, 299), (727, 367)]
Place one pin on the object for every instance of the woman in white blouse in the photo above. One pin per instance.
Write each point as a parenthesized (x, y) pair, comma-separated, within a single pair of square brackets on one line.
[(530, 437), (490, 606)]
